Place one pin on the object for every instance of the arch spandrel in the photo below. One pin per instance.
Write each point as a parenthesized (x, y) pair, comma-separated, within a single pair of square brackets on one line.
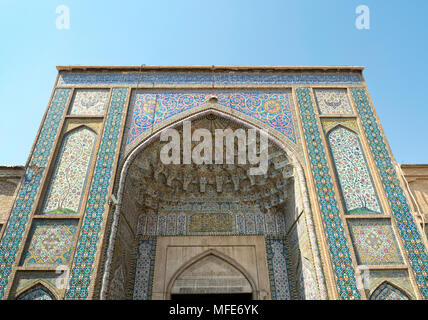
[(153, 111)]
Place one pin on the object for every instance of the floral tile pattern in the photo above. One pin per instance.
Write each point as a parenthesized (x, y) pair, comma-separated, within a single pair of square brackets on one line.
[(89, 102), (68, 182), (149, 110), (333, 101), (356, 183)]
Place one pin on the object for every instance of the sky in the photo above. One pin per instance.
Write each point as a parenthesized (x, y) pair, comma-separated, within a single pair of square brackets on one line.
[(222, 32)]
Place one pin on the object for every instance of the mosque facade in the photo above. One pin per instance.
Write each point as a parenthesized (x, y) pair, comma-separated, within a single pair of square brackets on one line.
[(96, 212)]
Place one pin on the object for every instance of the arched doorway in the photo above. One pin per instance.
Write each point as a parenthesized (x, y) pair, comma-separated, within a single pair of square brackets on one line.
[(211, 276), (161, 201)]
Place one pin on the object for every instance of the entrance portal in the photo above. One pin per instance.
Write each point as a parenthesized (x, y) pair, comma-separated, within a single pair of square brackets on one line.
[(205, 204)]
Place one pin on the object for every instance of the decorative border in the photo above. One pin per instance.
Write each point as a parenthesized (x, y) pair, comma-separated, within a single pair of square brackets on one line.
[(334, 229), (200, 78), (84, 260), (290, 280), (21, 211), (406, 225), (144, 269)]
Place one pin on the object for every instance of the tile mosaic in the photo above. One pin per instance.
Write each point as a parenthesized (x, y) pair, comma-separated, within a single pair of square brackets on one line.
[(13, 234)]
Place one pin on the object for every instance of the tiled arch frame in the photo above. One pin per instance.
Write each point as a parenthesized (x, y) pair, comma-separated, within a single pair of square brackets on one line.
[(236, 116), (388, 284), (38, 284)]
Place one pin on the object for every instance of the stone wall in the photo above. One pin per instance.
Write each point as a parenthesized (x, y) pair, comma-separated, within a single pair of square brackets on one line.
[(417, 178), (9, 181)]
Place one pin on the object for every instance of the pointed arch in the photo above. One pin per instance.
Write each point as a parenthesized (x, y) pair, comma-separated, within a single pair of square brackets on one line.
[(356, 183), (205, 255), (388, 291), (36, 291), (202, 111), (79, 126), (69, 177), (341, 124)]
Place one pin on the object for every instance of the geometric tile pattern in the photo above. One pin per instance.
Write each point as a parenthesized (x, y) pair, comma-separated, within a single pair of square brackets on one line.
[(211, 224), (333, 101), (89, 102), (353, 172), (84, 260), (276, 255), (144, 269), (387, 291), (120, 78), (374, 242), (67, 184), (50, 243), (148, 110), (20, 213), (333, 225), (406, 224), (267, 223), (38, 293)]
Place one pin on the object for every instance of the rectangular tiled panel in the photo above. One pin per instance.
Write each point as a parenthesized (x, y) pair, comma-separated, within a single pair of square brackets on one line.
[(374, 242), (50, 243), (333, 101), (89, 102)]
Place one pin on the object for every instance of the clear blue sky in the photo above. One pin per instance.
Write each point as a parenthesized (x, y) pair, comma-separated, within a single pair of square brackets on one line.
[(219, 32)]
